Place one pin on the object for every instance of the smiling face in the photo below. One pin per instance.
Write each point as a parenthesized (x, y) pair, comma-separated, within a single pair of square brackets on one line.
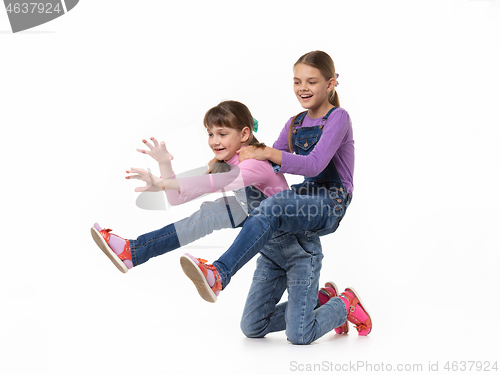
[(311, 89), (224, 141)]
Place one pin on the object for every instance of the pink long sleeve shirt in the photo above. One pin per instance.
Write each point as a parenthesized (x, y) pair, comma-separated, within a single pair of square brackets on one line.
[(249, 172)]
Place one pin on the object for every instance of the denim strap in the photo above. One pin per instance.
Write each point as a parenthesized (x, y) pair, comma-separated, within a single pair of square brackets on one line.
[(300, 117)]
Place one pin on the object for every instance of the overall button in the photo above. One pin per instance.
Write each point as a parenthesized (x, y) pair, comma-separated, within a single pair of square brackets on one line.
[(339, 200)]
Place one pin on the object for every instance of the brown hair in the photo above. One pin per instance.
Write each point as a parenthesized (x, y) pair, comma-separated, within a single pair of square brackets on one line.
[(324, 63), (234, 115)]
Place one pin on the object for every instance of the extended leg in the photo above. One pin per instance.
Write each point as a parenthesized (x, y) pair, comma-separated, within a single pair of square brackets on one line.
[(285, 212), (222, 213)]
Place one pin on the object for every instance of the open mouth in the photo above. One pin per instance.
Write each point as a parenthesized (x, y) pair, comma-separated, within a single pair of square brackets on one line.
[(306, 96), (219, 149)]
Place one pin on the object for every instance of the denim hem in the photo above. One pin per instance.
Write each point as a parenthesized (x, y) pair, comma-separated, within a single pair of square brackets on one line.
[(222, 274), (226, 276), (338, 300), (133, 252)]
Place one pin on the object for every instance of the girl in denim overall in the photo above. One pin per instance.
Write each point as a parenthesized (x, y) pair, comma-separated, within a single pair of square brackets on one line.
[(285, 228), (252, 182)]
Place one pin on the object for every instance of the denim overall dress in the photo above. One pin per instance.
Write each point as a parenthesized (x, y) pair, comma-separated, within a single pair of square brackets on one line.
[(328, 182)]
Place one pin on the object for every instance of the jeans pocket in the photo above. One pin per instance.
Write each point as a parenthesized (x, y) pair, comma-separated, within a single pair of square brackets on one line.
[(304, 145)]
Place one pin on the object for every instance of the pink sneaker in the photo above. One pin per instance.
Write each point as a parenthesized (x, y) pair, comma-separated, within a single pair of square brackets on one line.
[(205, 276), (358, 315), (324, 294), (116, 248)]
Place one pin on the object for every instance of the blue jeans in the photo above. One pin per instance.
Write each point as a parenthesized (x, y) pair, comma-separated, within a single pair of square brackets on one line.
[(222, 213), (292, 262), (308, 207)]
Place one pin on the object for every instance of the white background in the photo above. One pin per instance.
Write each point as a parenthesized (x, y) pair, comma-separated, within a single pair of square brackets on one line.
[(420, 241)]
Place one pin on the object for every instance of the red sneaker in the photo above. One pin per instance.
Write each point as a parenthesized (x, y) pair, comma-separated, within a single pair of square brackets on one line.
[(324, 294), (358, 315), (116, 248), (205, 276)]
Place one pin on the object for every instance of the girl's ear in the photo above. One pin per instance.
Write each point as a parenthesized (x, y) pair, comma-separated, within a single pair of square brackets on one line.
[(245, 134), (331, 84)]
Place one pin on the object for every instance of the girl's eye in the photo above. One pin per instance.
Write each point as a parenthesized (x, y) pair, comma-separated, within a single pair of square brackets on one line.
[(210, 134), (312, 83), (223, 135)]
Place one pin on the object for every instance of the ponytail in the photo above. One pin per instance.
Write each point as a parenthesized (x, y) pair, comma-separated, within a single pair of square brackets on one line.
[(290, 130), (218, 166), (333, 98), (255, 142)]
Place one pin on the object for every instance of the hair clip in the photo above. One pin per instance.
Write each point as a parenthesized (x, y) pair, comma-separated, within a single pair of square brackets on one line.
[(255, 125), (336, 82)]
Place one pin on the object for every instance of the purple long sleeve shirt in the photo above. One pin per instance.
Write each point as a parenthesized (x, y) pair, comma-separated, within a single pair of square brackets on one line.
[(336, 142)]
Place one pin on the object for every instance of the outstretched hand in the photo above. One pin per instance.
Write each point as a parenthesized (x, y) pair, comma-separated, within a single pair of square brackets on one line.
[(158, 151), (153, 183)]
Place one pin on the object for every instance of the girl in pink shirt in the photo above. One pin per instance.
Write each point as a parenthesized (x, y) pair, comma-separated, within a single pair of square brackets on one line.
[(230, 127)]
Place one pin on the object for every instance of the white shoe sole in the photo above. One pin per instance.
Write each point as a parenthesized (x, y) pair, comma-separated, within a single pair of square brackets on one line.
[(192, 271), (337, 293), (101, 242)]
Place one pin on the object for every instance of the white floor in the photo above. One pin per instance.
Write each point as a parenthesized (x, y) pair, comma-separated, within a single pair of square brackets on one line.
[(72, 312)]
